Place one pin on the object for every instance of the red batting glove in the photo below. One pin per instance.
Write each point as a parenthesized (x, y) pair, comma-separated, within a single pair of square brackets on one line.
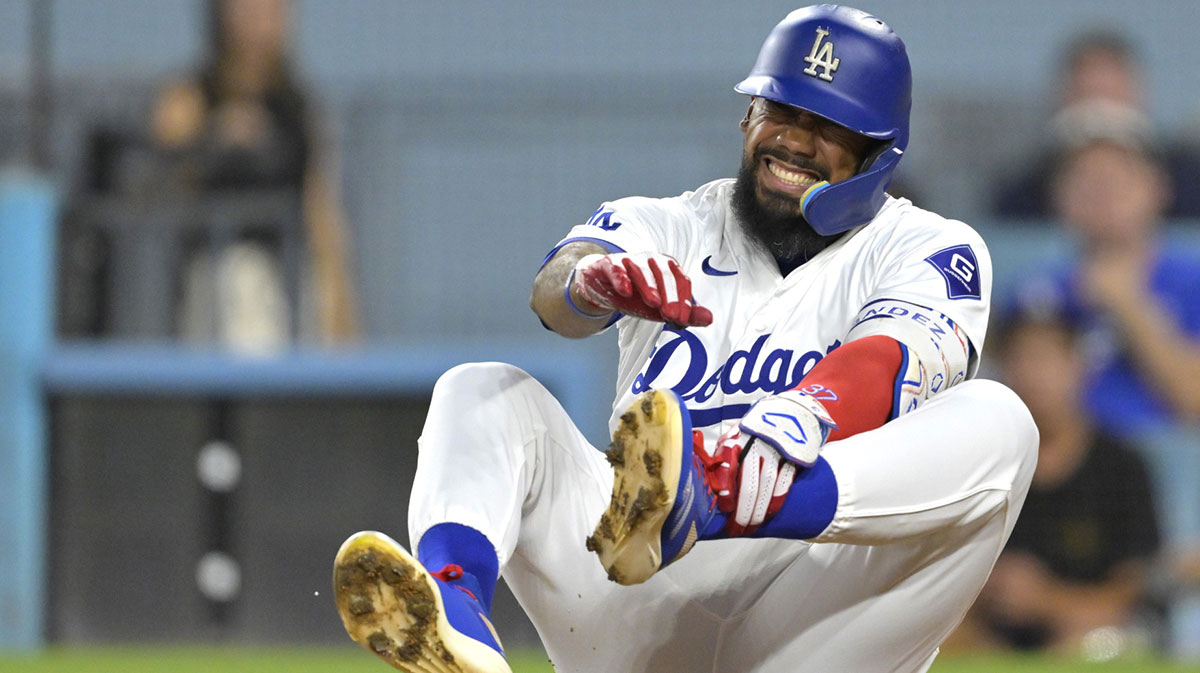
[(749, 478), (645, 285), (721, 468)]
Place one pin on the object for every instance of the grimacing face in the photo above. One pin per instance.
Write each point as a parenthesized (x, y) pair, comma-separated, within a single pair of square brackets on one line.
[(789, 150)]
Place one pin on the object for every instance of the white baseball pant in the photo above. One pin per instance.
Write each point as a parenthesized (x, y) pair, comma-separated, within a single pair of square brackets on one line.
[(926, 503)]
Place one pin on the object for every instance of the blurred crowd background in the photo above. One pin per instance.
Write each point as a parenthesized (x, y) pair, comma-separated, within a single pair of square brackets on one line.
[(239, 239)]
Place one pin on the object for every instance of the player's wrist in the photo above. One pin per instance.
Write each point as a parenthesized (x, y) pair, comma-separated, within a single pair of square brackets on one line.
[(582, 306)]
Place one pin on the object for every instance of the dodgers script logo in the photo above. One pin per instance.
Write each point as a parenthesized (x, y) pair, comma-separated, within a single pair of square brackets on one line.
[(746, 371)]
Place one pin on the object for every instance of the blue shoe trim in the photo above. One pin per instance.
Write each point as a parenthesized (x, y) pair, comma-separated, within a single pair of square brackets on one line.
[(450, 542), (464, 613), (694, 514)]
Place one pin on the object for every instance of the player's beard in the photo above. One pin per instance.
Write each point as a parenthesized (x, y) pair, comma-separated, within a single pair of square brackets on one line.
[(775, 220)]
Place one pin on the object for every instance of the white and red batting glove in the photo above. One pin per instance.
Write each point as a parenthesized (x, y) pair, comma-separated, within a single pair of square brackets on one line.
[(754, 464), (750, 482), (645, 285)]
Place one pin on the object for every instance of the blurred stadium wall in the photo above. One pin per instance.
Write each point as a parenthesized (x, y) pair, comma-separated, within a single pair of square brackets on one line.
[(497, 126)]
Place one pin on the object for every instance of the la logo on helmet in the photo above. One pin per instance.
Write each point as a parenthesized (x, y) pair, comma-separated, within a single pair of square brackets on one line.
[(822, 57)]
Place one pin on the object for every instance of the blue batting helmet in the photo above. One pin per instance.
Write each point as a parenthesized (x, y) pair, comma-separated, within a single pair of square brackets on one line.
[(850, 68)]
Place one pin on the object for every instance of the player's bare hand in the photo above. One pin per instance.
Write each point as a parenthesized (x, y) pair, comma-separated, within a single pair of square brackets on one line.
[(645, 285)]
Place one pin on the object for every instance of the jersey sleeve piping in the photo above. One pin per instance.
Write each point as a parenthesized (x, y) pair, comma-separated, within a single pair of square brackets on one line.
[(611, 247)]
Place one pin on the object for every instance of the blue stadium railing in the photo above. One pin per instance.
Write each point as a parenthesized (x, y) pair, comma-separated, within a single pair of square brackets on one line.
[(27, 218)]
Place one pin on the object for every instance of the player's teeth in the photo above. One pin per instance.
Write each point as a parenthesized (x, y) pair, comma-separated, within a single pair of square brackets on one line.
[(790, 177)]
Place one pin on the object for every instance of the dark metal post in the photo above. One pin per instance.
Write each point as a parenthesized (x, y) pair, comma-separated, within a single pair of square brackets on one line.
[(41, 17)]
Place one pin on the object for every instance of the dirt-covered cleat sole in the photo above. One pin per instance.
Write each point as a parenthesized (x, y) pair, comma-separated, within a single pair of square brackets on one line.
[(660, 501), (391, 605)]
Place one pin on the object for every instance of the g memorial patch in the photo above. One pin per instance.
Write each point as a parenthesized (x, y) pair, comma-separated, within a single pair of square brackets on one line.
[(960, 269)]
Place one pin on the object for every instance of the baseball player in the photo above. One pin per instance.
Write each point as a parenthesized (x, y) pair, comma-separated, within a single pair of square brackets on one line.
[(804, 475)]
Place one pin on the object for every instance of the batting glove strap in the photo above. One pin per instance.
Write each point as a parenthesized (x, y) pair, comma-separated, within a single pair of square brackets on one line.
[(598, 313), (722, 467), (794, 424)]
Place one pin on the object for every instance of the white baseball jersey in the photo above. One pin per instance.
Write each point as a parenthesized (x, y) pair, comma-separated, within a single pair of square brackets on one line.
[(916, 531), (768, 330)]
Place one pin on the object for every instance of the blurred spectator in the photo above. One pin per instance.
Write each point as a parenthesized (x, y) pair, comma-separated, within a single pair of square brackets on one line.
[(1133, 296), (1186, 567), (243, 122), (240, 126), (1079, 556), (1100, 84)]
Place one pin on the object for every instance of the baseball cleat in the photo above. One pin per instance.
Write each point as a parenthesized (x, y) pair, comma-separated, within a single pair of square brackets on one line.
[(661, 503), (415, 620)]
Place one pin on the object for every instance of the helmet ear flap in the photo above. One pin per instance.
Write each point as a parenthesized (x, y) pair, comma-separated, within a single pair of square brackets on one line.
[(847, 204), (877, 149)]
